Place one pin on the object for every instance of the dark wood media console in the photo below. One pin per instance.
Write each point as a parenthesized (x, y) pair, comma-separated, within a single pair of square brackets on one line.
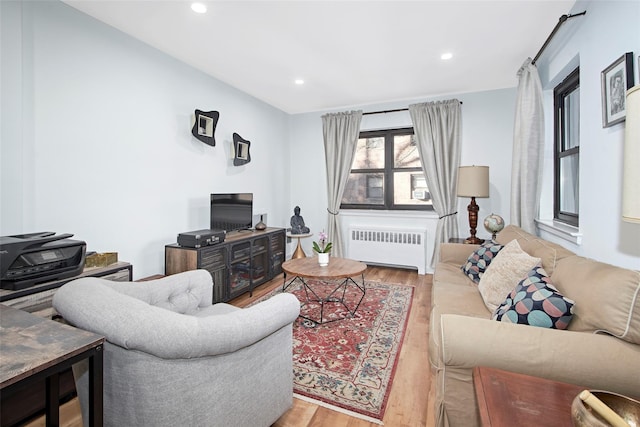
[(243, 261)]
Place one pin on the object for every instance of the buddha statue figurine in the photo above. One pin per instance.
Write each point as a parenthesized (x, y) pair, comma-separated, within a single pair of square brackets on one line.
[(297, 223)]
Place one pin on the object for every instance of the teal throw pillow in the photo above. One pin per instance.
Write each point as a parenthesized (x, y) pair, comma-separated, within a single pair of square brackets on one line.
[(536, 302)]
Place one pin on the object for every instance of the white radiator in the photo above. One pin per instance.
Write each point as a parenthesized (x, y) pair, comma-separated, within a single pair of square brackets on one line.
[(399, 247)]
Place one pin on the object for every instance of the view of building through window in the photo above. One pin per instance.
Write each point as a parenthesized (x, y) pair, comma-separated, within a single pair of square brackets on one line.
[(387, 173)]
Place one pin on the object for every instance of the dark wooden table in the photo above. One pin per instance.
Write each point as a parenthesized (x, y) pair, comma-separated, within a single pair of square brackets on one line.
[(511, 399), (33, 349)]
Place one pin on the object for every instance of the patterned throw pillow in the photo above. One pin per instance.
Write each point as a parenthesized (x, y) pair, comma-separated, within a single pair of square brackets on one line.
[(505, 271), (536, 302), (479, 260)]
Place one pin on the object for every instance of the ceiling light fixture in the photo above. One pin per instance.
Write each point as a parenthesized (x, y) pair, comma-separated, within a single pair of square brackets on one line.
[(446, 56), (198, 7), (299, 82)]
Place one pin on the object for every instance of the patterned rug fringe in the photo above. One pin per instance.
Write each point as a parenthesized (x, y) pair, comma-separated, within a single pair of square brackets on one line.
[(337, 409)]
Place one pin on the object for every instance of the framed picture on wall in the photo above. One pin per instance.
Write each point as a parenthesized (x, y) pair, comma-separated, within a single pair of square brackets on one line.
[(616, 79)]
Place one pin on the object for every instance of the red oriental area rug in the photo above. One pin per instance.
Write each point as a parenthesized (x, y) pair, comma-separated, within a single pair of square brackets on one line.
[(349, 364)]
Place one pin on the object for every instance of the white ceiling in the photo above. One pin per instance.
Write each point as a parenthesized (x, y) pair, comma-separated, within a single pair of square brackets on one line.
[(349, 53)]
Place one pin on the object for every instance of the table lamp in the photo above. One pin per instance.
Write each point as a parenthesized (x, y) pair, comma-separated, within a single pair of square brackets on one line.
[(473, 181), (631, 174)]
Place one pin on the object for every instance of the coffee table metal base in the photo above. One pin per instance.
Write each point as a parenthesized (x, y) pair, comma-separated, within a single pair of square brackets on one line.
[(336, 296)]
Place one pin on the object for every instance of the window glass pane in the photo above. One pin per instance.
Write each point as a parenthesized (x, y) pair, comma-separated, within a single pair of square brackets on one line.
[(572, 119), (410, 188), (566, 206), (569, 167), (405, 152), (369, 154), (364, 188), (375, 184)]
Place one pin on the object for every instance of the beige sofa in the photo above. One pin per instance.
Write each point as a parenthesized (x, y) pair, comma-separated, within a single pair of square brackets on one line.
[(600, 348)]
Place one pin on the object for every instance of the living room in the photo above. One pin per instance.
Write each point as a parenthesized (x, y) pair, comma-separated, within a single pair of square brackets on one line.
[(96, 141)]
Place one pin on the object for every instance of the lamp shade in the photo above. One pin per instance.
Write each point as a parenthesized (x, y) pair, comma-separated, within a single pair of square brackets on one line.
[(631, 171), (473, 181)]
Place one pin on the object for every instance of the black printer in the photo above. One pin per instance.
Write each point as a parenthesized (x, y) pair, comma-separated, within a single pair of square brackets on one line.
[(29, 259)]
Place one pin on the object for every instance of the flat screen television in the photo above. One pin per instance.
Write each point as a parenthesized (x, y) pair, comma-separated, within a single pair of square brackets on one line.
[(231, 211)]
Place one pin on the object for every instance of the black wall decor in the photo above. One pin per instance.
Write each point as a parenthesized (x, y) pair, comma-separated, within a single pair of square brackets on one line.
[(241, 154), (204, 126)]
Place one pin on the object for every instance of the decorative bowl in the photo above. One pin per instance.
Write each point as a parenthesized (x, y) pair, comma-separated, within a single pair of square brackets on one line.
[(583, 416)]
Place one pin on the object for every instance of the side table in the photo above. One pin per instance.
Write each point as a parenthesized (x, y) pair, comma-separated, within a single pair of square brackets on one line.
[(33, 348), (298, 253), (456, 240), (512, 399), (461, 240), (37, 299)]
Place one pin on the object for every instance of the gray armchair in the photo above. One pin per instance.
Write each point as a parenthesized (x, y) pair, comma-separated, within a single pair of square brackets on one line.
[(172, 358)]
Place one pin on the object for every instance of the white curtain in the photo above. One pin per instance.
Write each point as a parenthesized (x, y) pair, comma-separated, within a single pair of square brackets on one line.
[(341, 132), (528, 146), (437, 126)]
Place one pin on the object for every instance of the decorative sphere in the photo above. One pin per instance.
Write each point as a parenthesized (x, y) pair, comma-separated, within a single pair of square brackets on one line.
[(494, 223)]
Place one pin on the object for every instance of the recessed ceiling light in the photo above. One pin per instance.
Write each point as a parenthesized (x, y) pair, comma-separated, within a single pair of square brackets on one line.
[(447, 55), (198, 7), (299, 81)]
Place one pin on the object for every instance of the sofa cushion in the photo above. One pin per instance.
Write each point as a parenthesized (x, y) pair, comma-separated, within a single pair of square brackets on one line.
[(607, 297), (456, 253), (536, 302), (509, 267), (459, 299), (548, 252), (448, 273), (480, 259)]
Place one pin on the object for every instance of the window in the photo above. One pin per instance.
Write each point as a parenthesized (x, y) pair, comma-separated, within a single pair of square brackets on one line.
[(387, 173), (566, 95)]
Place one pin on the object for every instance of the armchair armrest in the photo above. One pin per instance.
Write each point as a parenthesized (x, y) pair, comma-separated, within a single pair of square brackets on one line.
[(232, 331), (594, 360)]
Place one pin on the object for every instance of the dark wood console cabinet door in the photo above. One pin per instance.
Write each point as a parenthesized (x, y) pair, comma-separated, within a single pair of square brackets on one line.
[(243, 261)]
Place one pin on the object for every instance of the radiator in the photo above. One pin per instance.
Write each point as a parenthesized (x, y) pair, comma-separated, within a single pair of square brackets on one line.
[(386, 246)]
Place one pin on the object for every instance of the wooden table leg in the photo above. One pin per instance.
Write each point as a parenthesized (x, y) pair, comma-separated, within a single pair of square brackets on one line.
[(96, 388), (52, 410)]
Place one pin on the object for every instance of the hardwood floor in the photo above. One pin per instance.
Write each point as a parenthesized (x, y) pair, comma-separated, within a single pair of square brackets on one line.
[(410, 402)]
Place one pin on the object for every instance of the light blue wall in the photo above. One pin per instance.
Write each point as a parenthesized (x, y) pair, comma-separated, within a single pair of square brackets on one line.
[(487, 135), (96, 138), (594, 41), (609, 29)]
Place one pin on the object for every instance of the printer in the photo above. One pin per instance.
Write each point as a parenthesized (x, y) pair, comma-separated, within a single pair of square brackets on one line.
[(29, 259)]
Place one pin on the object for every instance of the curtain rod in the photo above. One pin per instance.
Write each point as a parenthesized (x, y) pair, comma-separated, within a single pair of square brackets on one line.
[(561, 21), (389, 111)]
